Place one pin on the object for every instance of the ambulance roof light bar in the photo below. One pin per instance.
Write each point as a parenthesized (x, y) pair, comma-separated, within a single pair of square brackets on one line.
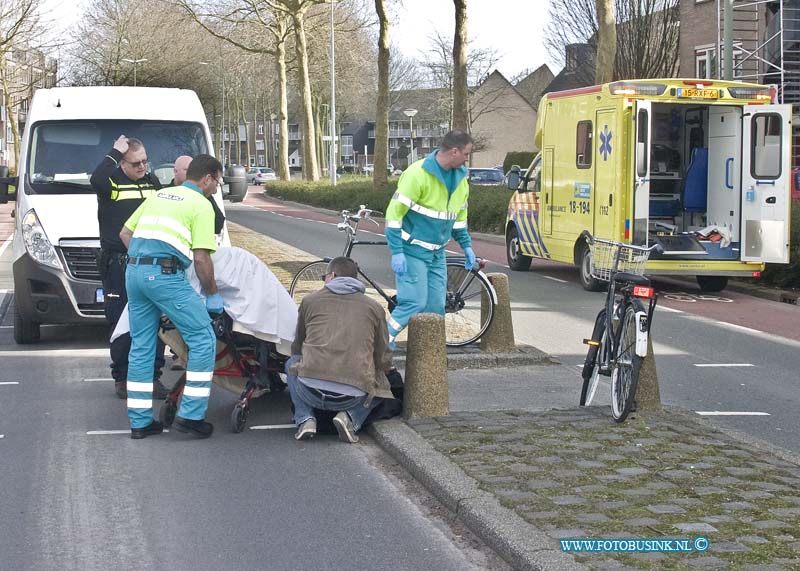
[(636, 88)]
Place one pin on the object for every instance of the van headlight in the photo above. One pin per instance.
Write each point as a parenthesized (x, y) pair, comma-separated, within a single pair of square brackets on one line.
[(36, 242)]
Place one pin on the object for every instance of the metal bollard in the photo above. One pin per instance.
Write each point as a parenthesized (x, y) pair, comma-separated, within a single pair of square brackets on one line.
[(648, 397), (499, 337), (426, 392)]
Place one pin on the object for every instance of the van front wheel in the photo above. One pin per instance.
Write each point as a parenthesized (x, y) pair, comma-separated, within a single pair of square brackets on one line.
[(584, 265), (517, 261), (25, 332), (712, 284)]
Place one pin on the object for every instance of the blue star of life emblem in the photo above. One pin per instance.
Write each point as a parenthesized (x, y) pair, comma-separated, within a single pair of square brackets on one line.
[(605, 143)]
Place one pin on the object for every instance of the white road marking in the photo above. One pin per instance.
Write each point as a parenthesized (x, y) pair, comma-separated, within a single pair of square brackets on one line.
[(730, 413), (9, 383), (5, 245), (724, 365), (272, 426), (669, 309), (105, 432), (747, 330), (96, 380), (2, 436), (57, 353), (555, 279)]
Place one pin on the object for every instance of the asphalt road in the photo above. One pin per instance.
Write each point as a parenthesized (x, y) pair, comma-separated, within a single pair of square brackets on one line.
[(730, 355)]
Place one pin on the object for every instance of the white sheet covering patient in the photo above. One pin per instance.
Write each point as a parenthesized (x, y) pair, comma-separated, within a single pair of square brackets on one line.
[(254, 298)]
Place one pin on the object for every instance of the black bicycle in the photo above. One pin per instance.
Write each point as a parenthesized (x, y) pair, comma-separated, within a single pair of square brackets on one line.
[(471, 298), (618, 344)]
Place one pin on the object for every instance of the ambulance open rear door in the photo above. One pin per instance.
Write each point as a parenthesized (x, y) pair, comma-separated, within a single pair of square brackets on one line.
[(766, 170), (641, 173)]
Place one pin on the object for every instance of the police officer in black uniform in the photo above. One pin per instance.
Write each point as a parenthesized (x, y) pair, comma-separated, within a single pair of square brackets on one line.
[(122, 183)]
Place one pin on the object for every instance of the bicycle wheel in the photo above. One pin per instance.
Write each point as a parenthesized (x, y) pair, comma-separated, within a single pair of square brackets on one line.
[(466, 318), (627, 364), (591, 366), (308, 280)]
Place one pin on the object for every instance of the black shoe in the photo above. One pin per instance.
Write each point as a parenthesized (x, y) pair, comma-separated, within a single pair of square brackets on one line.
[(121, 388), (159, 390), (152, 429), (197, 428)]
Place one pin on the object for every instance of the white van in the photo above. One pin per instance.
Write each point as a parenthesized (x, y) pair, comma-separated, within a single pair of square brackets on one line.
[(56, 235)]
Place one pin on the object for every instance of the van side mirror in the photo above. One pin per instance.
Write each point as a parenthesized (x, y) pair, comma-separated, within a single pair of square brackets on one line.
[(5, 182), (512, 178), (236, 179)]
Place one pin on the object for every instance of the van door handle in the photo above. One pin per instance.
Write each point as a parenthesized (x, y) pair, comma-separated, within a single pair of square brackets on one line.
[(728, 184), (771, 200)]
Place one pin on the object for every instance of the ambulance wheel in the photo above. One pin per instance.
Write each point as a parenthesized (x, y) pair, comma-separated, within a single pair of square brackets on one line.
[(517, 261), (587, 281), (712, 283), (238, 418), (167, 413)]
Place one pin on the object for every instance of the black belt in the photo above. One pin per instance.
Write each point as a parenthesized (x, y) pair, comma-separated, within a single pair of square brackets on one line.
[(167, 263)]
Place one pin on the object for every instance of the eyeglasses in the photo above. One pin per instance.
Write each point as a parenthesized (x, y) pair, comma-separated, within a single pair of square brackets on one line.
[(137, 164)]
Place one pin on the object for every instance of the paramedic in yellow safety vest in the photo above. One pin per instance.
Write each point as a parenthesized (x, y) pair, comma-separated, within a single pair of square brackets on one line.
[(122, 182), (166, 234), (429, 207)]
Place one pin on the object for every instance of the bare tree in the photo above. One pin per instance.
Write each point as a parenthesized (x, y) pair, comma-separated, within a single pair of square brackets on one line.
[(647, 35), (19, 26), (379, 176), (460, 88), (606, 41)]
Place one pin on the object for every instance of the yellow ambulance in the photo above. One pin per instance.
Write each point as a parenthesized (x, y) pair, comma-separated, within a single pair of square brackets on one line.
[(701, 167)]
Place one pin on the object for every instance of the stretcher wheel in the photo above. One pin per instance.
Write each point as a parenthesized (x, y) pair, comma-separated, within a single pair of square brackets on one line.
[(238, 418), (167, 413)]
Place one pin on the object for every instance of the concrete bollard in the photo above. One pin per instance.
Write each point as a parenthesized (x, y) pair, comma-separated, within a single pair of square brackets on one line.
[(648, 397), (499, 337), (426, 391)]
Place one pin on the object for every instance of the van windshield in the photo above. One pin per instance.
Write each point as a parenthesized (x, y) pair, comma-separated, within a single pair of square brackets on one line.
[(63, 154)]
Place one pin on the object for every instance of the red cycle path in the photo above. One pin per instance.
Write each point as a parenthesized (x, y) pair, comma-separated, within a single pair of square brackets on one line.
[(743, 310)]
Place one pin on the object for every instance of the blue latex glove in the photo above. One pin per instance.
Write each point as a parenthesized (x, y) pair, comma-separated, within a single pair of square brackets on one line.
[(399, 264), (469, 263), (214, 304)]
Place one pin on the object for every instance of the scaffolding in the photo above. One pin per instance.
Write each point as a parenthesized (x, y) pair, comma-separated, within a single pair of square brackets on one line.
[(766, 49)]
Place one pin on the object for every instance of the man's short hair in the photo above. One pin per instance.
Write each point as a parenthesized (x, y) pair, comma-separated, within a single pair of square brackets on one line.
[(343, 267), (134, 144), (455, 139), (202, 165)]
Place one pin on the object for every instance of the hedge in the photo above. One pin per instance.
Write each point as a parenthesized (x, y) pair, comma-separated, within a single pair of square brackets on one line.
[(521, 158), (487, 205)]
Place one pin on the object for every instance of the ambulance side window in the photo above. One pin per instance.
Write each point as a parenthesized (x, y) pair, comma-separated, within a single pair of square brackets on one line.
[(534, 177), (765, 149), (583, 147)]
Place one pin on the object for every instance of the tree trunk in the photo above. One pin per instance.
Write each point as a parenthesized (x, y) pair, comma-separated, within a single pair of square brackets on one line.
[(319, 144), (460, 90), (379, 175), (310, 168), (10, 116), (282, 160), (606, 42)]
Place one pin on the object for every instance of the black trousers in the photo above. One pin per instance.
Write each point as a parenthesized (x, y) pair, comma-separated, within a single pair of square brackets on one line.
[(112, 271)]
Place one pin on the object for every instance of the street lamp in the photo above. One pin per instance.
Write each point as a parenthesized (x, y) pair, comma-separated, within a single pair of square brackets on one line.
[(332, 160), (272, 117), (410, 114), (222, 130), (135, 62)]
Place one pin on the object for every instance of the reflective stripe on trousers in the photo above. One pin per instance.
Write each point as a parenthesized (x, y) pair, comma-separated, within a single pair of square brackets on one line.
[(151, 294)]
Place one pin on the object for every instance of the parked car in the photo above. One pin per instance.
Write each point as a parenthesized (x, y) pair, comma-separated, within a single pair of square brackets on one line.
[(369, 168), (487, 177), (257, 175)]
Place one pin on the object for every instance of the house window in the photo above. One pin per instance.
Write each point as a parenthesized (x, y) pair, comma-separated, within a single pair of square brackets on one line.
[(426, 142), (261, 129), (260, 145), (347, 145), (252, 161), (583, 148), (706, 65), (261, 161)]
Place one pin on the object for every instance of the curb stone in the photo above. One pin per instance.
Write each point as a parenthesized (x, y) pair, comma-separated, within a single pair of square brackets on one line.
[(474, 358), (518, 542)]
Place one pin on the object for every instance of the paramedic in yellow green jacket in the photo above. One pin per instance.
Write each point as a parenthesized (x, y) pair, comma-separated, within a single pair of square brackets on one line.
[(429, 207)]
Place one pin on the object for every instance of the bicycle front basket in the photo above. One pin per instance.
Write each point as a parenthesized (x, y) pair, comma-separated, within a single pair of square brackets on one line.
[(632, 259)]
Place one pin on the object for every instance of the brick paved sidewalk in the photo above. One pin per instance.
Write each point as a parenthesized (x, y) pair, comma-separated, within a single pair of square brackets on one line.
[(576, 473)]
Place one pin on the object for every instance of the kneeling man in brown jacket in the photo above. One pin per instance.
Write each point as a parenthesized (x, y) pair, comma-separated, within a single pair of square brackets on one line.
[(340, 354)]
